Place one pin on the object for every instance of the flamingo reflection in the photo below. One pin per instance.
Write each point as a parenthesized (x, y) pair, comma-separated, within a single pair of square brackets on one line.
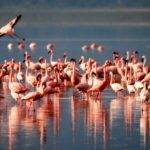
[(129, 102), (115, 110), (48, 109), (145, 123), (14, 119), (95, 117)]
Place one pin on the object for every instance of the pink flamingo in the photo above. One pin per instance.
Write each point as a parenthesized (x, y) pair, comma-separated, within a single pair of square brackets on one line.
[(31, 65), (16, 87), (116, 87), (145, 93), (85, 84), (30, 97), (56, 82), (20, 74), (82, 63), (52, 63), (8, 29), (30, 78), (146, 78), (100, 86)]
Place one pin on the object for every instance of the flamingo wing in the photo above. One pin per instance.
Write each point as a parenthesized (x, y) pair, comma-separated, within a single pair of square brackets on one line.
[(13, 22), (1, 34)]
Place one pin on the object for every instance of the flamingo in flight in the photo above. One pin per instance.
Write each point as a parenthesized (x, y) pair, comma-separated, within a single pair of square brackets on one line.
[(8, 29)]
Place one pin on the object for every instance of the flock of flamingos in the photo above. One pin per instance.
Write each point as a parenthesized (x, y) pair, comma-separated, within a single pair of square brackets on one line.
[(29, 81), (87, 77)]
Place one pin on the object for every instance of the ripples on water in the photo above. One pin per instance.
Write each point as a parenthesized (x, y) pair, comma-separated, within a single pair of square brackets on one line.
[(64, 122)]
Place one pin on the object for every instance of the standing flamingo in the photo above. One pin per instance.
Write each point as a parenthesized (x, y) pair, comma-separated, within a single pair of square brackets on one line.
[(20, 74), (100, 85), (8, 29), (145, 93), (114, 85), (16, 88)]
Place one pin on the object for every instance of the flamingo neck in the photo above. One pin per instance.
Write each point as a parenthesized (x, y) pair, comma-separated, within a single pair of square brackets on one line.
[(51, 58), (11, 75), (111, 78), (128, 56), (46, 68), (73, 73), (144, 63), (27, 70), (40, 88), (65, 60), (104, 73), (19, 67)]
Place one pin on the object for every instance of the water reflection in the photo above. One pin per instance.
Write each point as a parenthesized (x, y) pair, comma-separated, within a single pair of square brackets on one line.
[(129, 102), (23, 122), (115, 111), (145, 124), (95, 118)]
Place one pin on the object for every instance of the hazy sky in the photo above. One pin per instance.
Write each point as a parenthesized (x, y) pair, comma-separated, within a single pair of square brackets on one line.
[(53, 4)]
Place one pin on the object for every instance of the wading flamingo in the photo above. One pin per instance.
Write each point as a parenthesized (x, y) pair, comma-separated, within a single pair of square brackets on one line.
[(116, 87), (145, 93)]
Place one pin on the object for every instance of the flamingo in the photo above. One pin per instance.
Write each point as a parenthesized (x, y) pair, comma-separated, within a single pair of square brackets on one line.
[(52, 63), (128, 78), (16, 87), (31, 65), (20, 74), (75, 78), (145, 93), (115, 86), (56, 82), (8, 29), (30, 97), (146, 78), (130, 87), (30, 79), (48, 90), (45, 78), (85, 84), (82, 63), (65, 58), (146, 69), (100, 85), (138, 85)]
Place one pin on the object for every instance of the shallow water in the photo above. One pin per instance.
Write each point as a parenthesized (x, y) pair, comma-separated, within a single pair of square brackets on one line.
[(65, 122)]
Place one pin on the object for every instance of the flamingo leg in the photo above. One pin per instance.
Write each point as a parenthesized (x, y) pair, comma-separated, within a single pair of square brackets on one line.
[(28, 105), (14, 39), (23, 39), (33, 105)]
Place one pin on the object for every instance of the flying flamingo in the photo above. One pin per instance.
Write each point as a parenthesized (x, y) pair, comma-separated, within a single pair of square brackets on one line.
[(8, 29)]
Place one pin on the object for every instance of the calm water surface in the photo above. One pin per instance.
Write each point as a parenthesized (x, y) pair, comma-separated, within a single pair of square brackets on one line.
[(63, 121)]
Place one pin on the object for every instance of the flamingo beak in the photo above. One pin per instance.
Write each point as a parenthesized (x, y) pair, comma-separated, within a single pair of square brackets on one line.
[(23, 61), (142, 59)]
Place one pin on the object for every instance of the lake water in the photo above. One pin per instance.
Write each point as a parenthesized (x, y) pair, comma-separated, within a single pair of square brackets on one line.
[(64, 122)]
